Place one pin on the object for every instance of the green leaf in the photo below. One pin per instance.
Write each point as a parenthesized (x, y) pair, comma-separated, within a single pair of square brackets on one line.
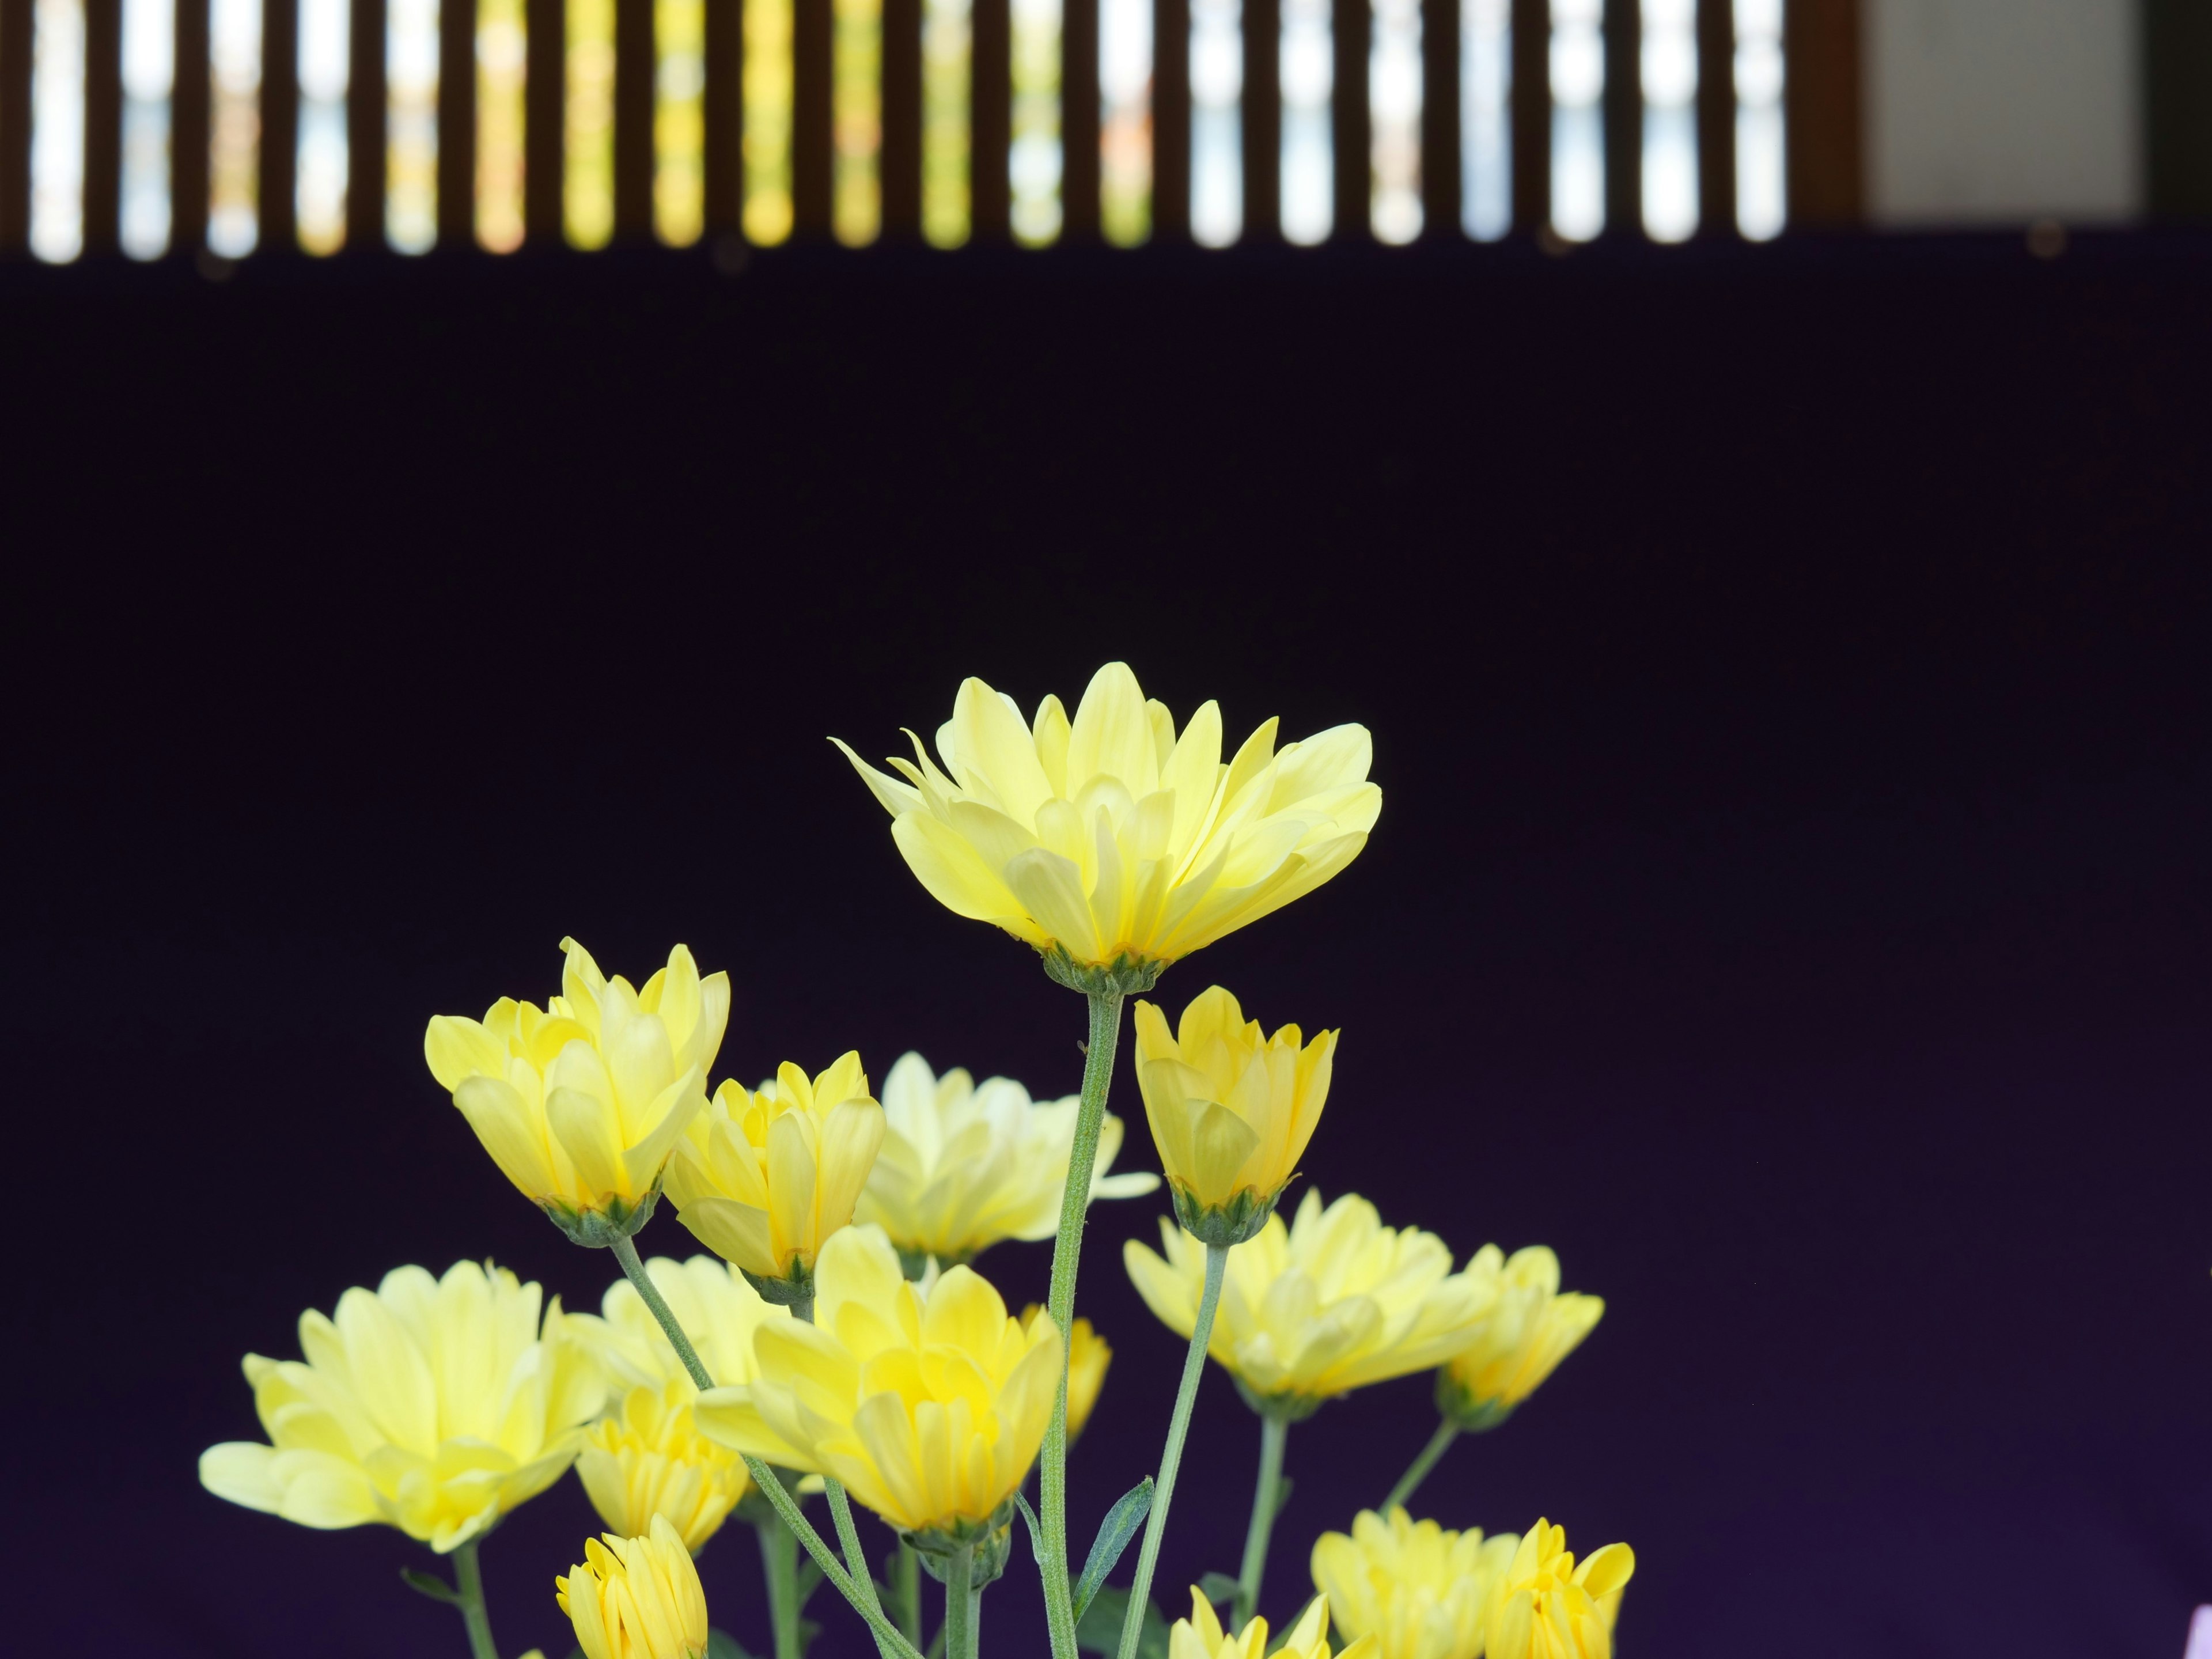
[(1100, 1631), (720, 1644), (810, 1577), (1282, 1496), (1035, 1527), (808, 1630), (429, 1585), (1217, 1588), (1114, 1533)]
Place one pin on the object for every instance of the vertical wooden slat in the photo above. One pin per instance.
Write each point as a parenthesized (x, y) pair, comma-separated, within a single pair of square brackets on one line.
[(1821, 112), (902, 152), (633, 75), (1078, 120), (1171, 120), (544, 88), (1260, 114), (14, 126), (103, 124), (812, 67), (1352, 23), (1532, 114), (280, 124), (457, 122), (1442, 186), (189, 99), (366, 119), (991, 132), (723, 115), (2177, 72), (1624, 118), (1715, 119)]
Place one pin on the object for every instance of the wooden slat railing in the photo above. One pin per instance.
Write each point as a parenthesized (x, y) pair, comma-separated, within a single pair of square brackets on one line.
[(1823, 138)]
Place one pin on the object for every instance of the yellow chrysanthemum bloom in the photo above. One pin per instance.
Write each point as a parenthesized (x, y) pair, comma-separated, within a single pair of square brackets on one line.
[(1332, 1302), (649, 1460), (763, 1178), (637, 1598), (931, 1412), (1111, 843), (580, 1103), (1089, 1354), (1547, 1608), (1531, 1328), (433, 1405), (964, 1165), (718, 1310), (1200, 1636), (1419, 1591), (1231, 1109)]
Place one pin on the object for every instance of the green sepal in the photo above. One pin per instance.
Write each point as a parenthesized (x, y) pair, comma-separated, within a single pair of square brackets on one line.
[(597, 1228), (912, 1264), (992, 1542), (429, 1585), (795, 1289), (1283, 1407), (1125, 974), (1100, 1629), (1224, 1224), (1114, 1534), (1462, 1410), (1218, 1588)]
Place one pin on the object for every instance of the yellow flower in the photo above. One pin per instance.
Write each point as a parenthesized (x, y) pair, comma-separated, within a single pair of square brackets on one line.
[(1231, 1109), (1111, 843), (1330, 1304), (717, 1309), (963, 1166), (434, 1405), (1531, 1328), (1547, 1608), (637, 1598), (930, 1411), (1088, 1357), (763, 1178), (580, 1103), (648, 1459), (1419, 1591), (1200, 1636)]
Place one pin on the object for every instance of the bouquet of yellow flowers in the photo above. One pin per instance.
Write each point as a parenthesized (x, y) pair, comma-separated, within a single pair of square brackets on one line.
[(839, 1342)]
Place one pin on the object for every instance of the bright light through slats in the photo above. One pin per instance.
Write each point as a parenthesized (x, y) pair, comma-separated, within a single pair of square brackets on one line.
[(57, 130), (326, 66), (680, 120), (1485, 80), (502, 62), (1217, 145), (149, 73), (1577, 118), (1393, 92), (856, 209), (767, 117), (411, 72), (1670, 119), (1035, 162), (1761, 190), (1309, 75), (945, 66), (1125, 96), (587, 139), (235, 126)]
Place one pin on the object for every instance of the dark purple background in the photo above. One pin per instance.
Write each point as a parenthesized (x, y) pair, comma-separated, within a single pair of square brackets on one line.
[(1789, 901)]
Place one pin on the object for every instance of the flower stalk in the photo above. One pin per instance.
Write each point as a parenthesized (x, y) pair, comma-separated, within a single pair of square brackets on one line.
[(1274, 1431), (963, 1605), (468, 1573), (1418, 1471), (1217, 1264), (780, 1567)]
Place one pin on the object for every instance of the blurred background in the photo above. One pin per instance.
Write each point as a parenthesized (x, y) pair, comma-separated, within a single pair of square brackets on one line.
[(450, 511)]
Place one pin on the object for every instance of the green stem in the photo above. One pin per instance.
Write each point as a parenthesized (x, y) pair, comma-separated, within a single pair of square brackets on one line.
[(780, 1565), (1155, 1524), (1439, 1442), (856, 1559), (1074, 1203), (1273, 1432), (960, 1605), (909, 1593), (780, 1500), (469, 1573)]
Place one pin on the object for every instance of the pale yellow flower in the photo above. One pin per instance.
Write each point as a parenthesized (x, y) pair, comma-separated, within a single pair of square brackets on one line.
[(963, 1165), (434, 1405), (1530, 1329), (649, 1460), (763, 1178), (637, 1598), (1332, 1302), (930, 1411), (1089, 1354), (1110, 841), (718, 1310), (1419, 1591), (1547, 1608), (580, 1103), (1231, 1109), (1200, 1636)]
